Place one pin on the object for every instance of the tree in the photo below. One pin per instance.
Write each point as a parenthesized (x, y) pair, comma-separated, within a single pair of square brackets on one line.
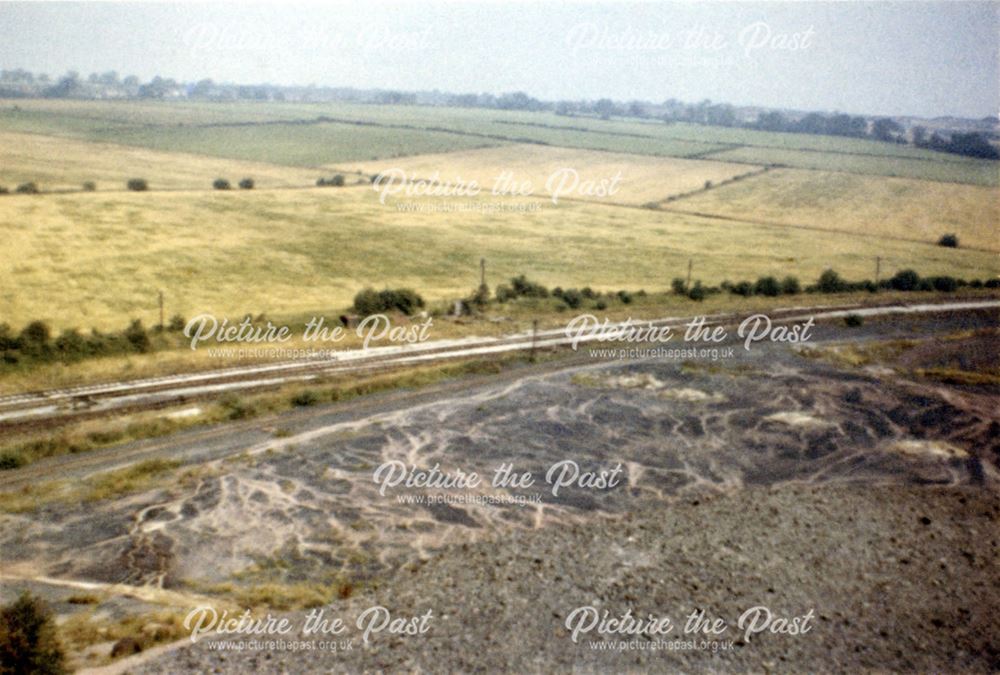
[(605, 107), (886, 129), (246, 184), (28, 642)]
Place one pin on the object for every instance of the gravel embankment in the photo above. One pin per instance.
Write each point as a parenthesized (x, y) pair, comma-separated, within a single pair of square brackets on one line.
[(901, 578)]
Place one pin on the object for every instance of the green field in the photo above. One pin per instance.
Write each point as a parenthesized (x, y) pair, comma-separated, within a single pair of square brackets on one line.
[(289, 133)]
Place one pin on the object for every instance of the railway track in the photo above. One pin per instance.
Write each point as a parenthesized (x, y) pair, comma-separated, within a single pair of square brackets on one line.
[(49, 406)]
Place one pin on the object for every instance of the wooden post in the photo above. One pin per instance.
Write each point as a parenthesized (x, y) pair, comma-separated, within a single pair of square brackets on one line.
[(878, 269), (161, 311), (687, 287), (482, 271), (534, 338)]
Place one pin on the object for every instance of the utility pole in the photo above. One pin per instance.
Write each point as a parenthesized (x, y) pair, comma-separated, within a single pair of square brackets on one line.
[(878, 269), (482, 271), (687, 286), (161, 311)]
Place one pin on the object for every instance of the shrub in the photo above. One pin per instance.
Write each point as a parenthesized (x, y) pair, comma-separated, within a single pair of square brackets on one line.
[(481, 297), (27, 189), (992, 283), (9, 460), (28, 642), (600, 305), (768, 286), (3, 190), (505, 293), (975, 283), (177, 323), (830, 282), (337, 181), (744, 288), (89, 186), (320, 182), (625, 297), (853, 320), (905, 280), (588, 292), (221, 184), (246, 184), (137, 337), (708, 185), (305, 398), (697, 292), (790, 286), (949, 240), (678, 286), (573, 298), (137, 185), (235, 408), (369, 301), (528, 289), (945, 284)]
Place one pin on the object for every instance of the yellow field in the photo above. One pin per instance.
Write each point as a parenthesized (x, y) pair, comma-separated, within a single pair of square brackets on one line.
[(62, 163), (549, 170), (97, 259), (865, 205)]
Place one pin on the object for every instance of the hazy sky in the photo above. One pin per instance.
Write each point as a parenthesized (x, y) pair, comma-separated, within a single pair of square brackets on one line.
[(925, 59)]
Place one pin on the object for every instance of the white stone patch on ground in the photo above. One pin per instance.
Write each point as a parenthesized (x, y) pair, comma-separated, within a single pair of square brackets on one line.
[(924, 448), (796, 418)]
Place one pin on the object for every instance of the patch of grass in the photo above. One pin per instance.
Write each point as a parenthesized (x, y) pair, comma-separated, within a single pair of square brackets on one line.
[(960, 377), (83, 629), (131, 479)]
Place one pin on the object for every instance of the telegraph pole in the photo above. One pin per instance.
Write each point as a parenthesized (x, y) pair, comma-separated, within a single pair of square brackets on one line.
[(161, 311), (878, 269)]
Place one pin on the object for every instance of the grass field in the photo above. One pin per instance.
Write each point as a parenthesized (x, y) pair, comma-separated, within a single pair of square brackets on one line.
[(295, 133), (898, 207), (65, 164), (98, 259), (642, 178)]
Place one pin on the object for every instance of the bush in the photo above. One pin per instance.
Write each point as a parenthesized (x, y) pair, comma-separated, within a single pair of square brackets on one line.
[(3, 190), (89, 186), (246, 184), (830, 282), (588, 292), (768, 286), (600, 305), (853, 320), (221, 184), (573, 298), (305, 398), (27, 189), (137, 337), (945, 284), (949, 240), (744, 288), (177, 323), (337, 181), (235, 408), (481, 297), (697, 292), (505, 293), (369, 301), (525, 288), (320, 182), (625, 297), (137, 185), (678, 286), (992, 283), (9, 460), (905, 280), (790, 286), (28, 642)]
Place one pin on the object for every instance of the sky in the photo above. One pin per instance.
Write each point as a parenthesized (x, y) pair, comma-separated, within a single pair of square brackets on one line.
[(880, 58)]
